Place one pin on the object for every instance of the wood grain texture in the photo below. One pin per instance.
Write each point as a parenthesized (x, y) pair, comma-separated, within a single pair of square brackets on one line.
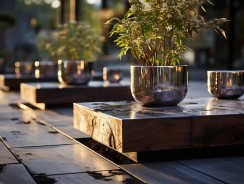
[(62, 159), (6, 157), (109, 177), (15, 173), (41, 94), (128, 135), (130, 127)]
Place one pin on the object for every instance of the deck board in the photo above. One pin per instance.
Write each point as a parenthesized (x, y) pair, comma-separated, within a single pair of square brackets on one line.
[(6, 157), (20, 133), (108, 177), (228, 169), (62, 159), (168, 173), (15, 173)]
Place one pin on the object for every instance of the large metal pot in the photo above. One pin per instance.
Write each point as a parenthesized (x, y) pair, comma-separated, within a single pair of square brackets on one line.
[(74, 72), (159, 85)]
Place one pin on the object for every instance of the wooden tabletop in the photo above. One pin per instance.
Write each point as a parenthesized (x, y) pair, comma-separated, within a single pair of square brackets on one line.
[(41, 147)]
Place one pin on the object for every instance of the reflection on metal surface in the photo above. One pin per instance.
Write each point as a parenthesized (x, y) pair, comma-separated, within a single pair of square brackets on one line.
[(159, 85), (112, 75), (24, 67), (46, 69), (74, 72), (225, 84)]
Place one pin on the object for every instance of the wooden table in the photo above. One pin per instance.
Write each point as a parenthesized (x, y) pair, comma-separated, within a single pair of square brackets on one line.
[(54, 156), (43, 95)]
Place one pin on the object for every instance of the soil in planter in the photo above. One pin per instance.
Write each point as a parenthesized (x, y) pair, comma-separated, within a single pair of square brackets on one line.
[(107, 152)]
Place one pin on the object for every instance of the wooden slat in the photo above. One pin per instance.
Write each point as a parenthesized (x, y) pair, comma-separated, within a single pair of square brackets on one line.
[(6, 157), (9, 97), (21, 133), (62, 159), (15, 173), (44, 94), (63, 121), (109, 177), (229, 170), (168, 173)]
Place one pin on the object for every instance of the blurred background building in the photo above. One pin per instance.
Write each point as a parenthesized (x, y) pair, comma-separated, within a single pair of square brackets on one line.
[(24, 23)]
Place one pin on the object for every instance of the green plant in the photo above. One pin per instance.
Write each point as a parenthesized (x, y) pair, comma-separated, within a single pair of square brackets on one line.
[(156, 31), (75, 40)]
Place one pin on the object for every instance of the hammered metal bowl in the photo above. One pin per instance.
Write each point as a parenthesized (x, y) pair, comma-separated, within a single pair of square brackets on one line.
[(74, 72), (225, 84), (159, 85)]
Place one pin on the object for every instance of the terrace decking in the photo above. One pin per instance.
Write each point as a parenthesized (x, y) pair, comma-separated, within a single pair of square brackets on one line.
[(41, 147)]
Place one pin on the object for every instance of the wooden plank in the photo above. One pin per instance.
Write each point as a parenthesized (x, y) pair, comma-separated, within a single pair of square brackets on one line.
[(21, 133), (15, 173), (130, 127), (62, 159), (43, 94), (91, 177), (6, 157), (217, 130), (168, 173), (63, 121), (9, 97), (227, 169), (13, 81)]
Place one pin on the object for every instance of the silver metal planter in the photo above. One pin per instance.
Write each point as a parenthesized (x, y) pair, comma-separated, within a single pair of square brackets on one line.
[(226, 84), (74, 72), (159, 85)]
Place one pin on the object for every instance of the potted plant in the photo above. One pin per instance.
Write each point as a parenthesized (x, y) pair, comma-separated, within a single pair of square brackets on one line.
[(155, 32), (74, 45)]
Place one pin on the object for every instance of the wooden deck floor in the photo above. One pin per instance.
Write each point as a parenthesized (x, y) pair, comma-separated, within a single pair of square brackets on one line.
[(40, 147)]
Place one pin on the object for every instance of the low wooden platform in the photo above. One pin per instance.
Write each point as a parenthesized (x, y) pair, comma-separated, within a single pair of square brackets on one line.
[(42, 95), (194, 123), (12, 81)]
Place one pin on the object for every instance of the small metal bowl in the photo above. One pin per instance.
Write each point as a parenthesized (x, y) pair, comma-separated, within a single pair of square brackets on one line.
[(225, 84), (46, 69), (112, 75), (74, 72), (24, 68)]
